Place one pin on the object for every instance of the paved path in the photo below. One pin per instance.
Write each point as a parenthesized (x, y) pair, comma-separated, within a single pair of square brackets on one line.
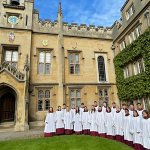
[(33, 133)]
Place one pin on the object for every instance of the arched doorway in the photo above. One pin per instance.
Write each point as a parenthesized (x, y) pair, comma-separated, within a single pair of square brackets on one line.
[(7, 104)]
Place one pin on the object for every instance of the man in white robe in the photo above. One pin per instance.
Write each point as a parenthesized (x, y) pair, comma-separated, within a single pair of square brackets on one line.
[(59, 121), (118, 124), (136, 130), (85, 123), (96, 105), (113, 108), (78, 122), (131, 109), (100, 121), (104, 108), (92, 121), (68, 120), (50, 124), (109, 123), (128, 136), (140, 109), (145, 127)]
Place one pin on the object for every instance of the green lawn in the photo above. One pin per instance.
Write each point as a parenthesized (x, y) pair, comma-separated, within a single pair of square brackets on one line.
[(64, 143)]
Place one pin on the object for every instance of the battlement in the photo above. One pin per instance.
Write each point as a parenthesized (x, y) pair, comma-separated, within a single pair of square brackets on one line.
[(73, 29)]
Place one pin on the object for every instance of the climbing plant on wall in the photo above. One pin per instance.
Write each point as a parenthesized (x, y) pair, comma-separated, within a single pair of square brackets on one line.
[(136, 86)]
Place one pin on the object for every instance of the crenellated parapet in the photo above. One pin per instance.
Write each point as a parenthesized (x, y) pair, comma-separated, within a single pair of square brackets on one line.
[(73, 29)]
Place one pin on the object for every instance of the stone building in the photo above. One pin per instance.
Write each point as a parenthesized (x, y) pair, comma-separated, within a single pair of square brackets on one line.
[(135, 20), (45, 63)]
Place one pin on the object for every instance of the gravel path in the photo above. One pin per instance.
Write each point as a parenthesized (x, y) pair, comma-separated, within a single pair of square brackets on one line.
[(33, 133)]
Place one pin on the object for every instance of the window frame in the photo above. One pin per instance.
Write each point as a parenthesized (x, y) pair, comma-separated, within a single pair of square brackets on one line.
[(75, 98), (43, 100), (43, 68)]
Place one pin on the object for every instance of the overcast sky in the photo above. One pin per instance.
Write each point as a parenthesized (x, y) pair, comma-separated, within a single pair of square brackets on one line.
[(90, 12)]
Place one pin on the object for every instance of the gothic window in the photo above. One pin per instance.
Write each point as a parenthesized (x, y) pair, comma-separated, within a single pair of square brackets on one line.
[(74, 65), (11, 56), (101, 69), (44, 62), (103, 96), (130, 11), (43, 100), (75, 97)]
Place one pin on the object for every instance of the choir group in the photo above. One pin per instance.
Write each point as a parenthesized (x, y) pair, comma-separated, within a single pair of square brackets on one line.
[(128, 125)]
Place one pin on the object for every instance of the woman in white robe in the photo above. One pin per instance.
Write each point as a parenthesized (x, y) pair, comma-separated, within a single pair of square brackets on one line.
[(100, 121), (50, 124), (145, 127), (128, 136), (136, 130), (113, 109), (92, 121), (109, 123), (59, 121), (78, 122), (118, 124), (85, 123), (68, 120), (73, 111)]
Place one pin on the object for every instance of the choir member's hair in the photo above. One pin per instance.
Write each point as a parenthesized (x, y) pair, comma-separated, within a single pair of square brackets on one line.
[(147, 113), (51, 110), (137, 114), (77, 110), (85, 109), (138, 104), (113, 103), (59, 108), (64, 104), (127, 112), (108, 109), (93, 109), (105, 103), (82, 103)]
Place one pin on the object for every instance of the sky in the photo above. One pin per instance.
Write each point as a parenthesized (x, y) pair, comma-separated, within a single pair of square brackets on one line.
[(90, 12)]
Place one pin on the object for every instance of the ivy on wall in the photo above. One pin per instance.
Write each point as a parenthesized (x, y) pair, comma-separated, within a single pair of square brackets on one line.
[(136, 86)]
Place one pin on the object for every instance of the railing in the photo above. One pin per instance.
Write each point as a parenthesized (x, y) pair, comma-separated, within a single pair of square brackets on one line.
[(12, 70)]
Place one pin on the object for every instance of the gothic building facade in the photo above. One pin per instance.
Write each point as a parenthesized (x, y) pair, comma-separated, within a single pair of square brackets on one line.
[(45, 63)]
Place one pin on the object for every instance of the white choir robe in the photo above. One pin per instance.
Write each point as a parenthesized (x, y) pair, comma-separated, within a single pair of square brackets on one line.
[(123, 112), (113, 110), (85, 118), (100, 121), (140, 113), (64, 111), (131, 113), (93, 125), (104, 110), (145, 127), (128, 136), (59, 122), (118, 123), (109, 123), (50, 126), (96, 108), (73, 111), (136, 130), (77, 123), (68, 120), (81, 110)]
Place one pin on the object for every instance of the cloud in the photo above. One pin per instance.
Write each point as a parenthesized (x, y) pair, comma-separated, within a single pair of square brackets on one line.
[(97, 12)]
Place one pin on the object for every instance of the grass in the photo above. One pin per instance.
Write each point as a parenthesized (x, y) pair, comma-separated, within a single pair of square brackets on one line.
[(64, 143)]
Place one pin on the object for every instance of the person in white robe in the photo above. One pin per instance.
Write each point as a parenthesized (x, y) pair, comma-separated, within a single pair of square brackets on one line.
[(145, 127), (73, 111), (92, 121), (100, 121), (131, 109), (113, 109), (128, 136), (136, 130), (96, 105), (82, 108), (59, 121), (124, 106), (109, 123), (104, 108), (64, 109), (68, 121), (118, 124), (85, 123), (139, 109), (78, 122), (50, 123)]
